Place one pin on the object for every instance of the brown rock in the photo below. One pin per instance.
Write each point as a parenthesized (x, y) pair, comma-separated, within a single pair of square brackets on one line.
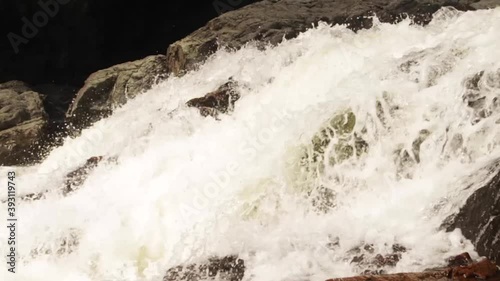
[(23, 122), (483, 270), (219, 101)]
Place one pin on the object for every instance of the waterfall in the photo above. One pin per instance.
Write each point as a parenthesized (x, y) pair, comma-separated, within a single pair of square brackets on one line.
[(339, 140)]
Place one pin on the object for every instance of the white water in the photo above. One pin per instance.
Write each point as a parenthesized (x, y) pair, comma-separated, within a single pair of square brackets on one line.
[(183, 184)]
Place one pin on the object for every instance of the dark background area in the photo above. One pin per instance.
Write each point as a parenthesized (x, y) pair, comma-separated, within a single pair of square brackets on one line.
[(87, 35)]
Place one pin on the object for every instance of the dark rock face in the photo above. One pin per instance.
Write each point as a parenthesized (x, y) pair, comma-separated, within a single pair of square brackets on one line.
[(479, 218), (74, 179), (112, 87), (219, 101), (23, 122), (270, 21), (229, 268)]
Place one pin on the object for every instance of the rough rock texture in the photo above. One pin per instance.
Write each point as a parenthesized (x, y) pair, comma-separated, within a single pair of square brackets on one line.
[(23, 121), (111, 87), (229, 268), (375, 263), (272, 20), (219, 101), (479, 218), (483, 270)]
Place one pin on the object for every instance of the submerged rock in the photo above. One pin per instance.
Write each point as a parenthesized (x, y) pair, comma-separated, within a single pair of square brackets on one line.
[(229, 268), (219, 101), (74, 179), (479, 218), (336, 142), (23, 124), (340, 128), (372, 263), (482, 94), (112, 87), (78, 176)]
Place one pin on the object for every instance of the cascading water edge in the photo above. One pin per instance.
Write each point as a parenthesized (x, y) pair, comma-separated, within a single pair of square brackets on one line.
[(381, 119)]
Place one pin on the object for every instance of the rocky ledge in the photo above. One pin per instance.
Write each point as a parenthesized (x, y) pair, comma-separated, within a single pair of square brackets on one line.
[(23, 123)]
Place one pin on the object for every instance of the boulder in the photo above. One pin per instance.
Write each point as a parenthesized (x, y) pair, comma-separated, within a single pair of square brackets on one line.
[(229, 268), (112, 87), (468, 270), (270, 21), (219, 101), (23, 122), (479, 217)]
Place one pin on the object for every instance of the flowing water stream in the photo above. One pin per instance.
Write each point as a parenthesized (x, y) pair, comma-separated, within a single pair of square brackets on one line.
[(339, 140)]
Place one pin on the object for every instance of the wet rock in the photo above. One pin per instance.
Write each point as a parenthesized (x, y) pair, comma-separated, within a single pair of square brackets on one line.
[(482, 94), (23, 123), (484, 270), (269, 22), (372, 263), (463, 259), (336, 142), (78, 176), (112, 87), (479, 217), (219, 101), (229, 268)]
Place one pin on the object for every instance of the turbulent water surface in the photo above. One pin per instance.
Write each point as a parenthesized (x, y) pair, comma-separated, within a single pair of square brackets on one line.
[(419, 119)]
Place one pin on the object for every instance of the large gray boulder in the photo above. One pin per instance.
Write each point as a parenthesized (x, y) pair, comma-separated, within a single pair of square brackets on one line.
[(23, 122), (111, 87), (270, 21)]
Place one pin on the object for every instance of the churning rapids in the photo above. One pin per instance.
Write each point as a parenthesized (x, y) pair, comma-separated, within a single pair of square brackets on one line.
[(185, 187)]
